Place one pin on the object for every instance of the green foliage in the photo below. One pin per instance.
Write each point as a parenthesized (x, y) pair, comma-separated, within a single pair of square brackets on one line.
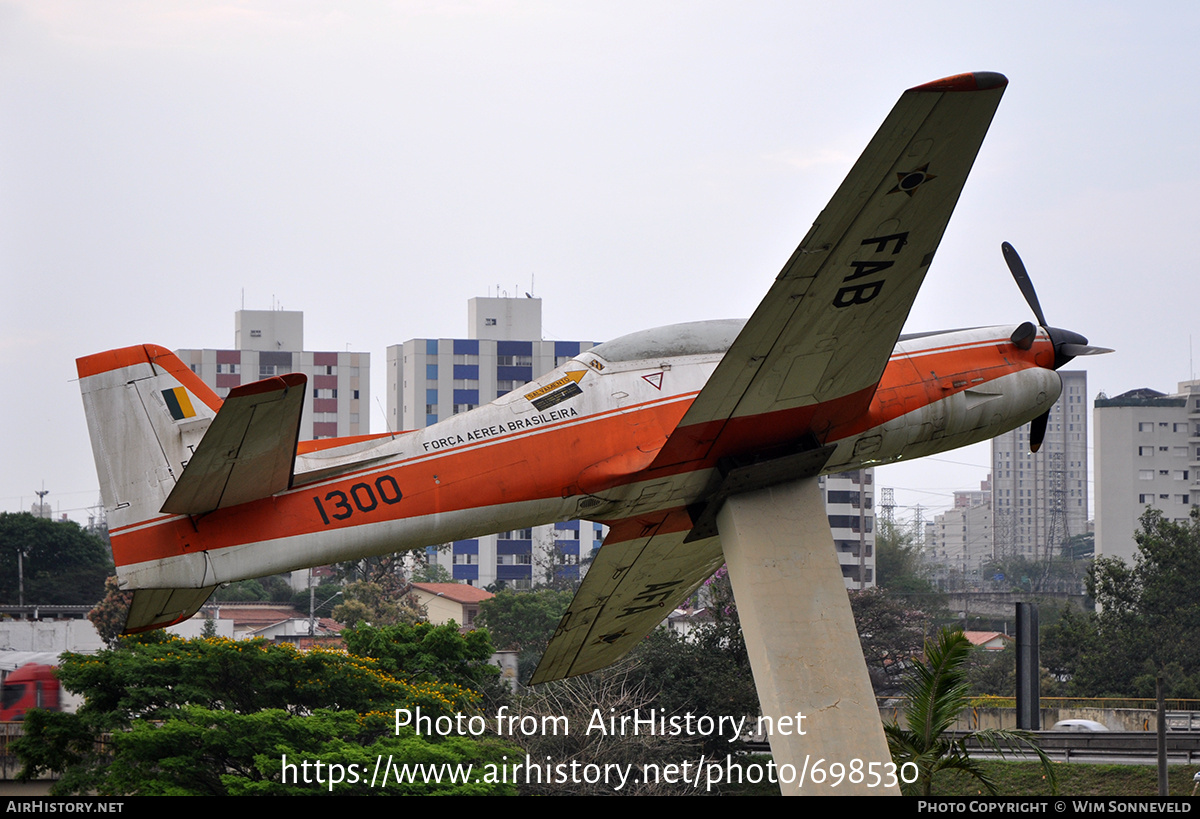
[(898, 566), (1147, 623), (382, 602), (994, 673), (425, 652), (1054, 573), (325, 597), (523, 621), (110, 613), (274, 589), (214, 716), (937, 694), (63, 563), (160, 760), (891, 633), (432, 573), (697, 675)]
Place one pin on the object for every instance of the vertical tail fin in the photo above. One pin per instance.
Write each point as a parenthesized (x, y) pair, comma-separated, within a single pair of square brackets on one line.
[(146, 413)]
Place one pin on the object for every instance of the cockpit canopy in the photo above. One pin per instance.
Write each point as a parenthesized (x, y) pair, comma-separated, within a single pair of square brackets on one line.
[(692, 338)]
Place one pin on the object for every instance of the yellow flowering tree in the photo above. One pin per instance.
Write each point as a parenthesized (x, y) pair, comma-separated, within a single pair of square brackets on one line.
[(215, 716)]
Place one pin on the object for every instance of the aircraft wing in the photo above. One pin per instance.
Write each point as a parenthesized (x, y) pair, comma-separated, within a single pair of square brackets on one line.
[(810, 356), (815, 348), (249, 450), (641, 573)]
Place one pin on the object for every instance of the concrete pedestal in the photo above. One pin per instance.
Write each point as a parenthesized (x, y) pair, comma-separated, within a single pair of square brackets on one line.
[(801, 638)]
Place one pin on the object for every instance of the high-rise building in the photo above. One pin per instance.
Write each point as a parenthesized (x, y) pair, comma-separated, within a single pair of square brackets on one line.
[(849, 505), (959, 541), (1040, 499), (430, 379), (271, 342), (1147, 455)]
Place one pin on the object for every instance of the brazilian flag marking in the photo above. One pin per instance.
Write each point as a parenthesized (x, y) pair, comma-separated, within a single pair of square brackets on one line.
[(178, 403)]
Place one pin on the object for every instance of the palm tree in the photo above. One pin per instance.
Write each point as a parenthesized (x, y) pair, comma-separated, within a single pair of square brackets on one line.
[(936, 696)]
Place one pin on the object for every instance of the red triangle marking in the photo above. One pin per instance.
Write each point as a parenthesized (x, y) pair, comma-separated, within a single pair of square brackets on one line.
[(654, 380)]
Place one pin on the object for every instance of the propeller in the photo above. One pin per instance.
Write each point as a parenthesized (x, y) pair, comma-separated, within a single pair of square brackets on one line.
[(1067, 344)]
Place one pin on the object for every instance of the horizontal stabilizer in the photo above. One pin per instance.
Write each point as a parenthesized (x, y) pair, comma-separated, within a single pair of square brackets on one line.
[(157, 608), (249, 450)]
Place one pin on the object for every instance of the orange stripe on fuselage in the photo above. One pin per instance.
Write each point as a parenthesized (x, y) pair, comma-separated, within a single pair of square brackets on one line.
[(546, 462), (538, 463), (912, 379), (922, 377)]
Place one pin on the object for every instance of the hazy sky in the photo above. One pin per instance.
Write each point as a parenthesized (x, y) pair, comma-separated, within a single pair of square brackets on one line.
[(633, 163)]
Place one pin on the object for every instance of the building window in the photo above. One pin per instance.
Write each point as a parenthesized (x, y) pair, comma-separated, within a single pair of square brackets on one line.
[(1146, 426), (1145, 451), (1145, 474)]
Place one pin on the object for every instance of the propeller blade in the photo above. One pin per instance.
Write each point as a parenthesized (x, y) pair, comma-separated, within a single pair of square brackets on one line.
[(1021, 276), (1037, 431), (1082, 349)]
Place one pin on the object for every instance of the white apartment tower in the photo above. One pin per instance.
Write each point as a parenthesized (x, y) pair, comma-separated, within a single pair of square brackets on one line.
[(430, 379), (1040, 499), (1147, 455), (960, 539), (849, 504), (271, 342)]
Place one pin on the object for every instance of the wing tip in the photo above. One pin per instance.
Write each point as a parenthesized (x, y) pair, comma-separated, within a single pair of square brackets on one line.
[(973, 81)]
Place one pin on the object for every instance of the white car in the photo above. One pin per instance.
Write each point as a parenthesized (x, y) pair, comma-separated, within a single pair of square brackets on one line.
[(1079, 725)]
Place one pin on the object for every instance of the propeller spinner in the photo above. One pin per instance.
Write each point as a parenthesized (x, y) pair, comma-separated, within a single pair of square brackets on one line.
[(1067, 344)]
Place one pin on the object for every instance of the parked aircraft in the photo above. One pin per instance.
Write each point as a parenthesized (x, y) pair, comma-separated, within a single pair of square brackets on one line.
[(649, 433)]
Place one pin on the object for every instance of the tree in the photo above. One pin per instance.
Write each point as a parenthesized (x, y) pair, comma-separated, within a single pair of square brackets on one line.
[(424, 652), (215, 716), (384, 602), (614, 690), (62, 563), (275, 588), (697, 674), (891, 633), (937, 694), (109, 614), (898, 566), (1147, 620), (524, 621), (432, 573)]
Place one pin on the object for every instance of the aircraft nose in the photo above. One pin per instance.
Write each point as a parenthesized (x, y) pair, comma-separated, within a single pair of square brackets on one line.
[(1069, 344)]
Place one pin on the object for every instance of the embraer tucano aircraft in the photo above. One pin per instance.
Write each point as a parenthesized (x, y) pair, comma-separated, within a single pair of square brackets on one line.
[(649, 434)]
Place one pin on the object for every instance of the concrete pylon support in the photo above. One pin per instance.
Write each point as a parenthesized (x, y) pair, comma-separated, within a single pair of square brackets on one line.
[(800, 635)]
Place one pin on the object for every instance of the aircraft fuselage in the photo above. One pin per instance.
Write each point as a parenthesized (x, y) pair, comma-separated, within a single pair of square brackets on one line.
[(586, 441)]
